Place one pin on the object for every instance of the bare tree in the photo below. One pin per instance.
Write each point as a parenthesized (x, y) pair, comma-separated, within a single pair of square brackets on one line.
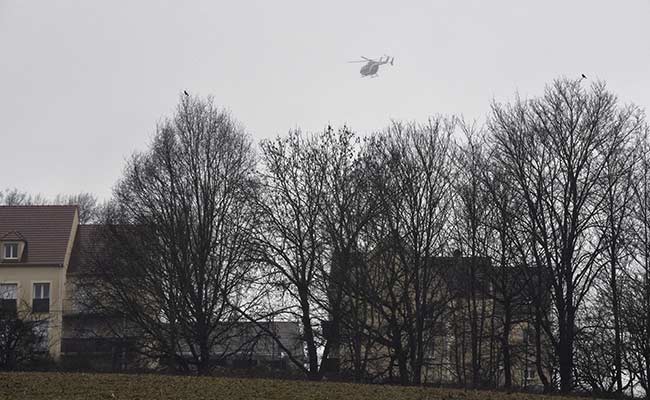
[(348, 209), (291, 203), (178, 242), (23, 344), (596, 364), (557, 148), (14, 197), (507, 248), (604, 325), (635, 296), (89, 207), (471, 234), (412, 174)]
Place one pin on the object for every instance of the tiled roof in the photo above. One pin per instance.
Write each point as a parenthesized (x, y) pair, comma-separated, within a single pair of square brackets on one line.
[(45, 229), (89, 250), (85, 244)]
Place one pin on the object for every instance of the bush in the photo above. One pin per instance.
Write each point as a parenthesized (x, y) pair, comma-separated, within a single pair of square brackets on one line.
[(20, 346)]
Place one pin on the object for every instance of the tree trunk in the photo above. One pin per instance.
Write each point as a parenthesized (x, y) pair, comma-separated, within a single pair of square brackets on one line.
[(507, 368), (647, 317), (400, 354), (617, 327), (312, 351), (566, 367), (566, 326), (416, 363), (538, 349)]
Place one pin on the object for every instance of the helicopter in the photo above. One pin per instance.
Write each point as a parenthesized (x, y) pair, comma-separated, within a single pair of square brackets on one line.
[(372, 66)]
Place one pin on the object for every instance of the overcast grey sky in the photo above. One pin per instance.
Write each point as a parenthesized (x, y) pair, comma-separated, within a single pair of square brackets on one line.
[(83, 83)]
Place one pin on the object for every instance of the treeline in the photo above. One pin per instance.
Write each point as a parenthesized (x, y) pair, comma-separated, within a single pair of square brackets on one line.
[(349, 236), (89, 206)]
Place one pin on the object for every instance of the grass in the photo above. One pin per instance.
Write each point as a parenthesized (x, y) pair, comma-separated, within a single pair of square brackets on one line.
[(50, 386)]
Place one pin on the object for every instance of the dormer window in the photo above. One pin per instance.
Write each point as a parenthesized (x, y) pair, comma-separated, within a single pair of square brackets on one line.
[(11, 251), (12, 247)]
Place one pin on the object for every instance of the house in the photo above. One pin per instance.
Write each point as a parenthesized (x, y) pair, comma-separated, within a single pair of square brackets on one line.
[(36, 245), (462, 329), (44, 252), (480, 295)]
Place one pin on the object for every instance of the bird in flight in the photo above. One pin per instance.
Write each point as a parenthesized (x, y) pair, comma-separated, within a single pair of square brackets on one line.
[(584, 76), (187, 94)]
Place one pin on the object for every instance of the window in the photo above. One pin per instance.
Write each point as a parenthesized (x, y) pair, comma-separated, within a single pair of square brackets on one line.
[(530, 373), (8, 291), (8, 298), (41, 298), (42, 291), (11, 251)]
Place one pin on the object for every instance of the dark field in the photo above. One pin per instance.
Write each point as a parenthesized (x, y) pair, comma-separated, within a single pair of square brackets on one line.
[(51, 386)]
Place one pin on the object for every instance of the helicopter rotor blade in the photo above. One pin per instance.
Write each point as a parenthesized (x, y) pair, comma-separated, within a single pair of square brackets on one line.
[(359, 61)]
